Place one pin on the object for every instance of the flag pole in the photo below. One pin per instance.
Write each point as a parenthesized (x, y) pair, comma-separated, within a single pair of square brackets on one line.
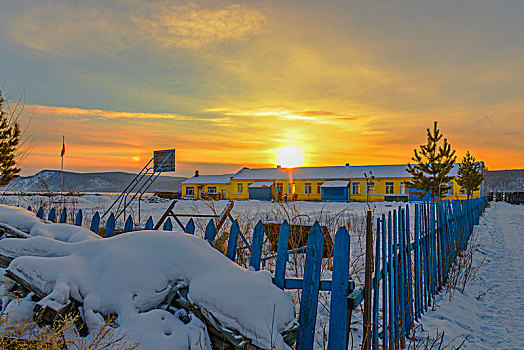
[(62, 167)]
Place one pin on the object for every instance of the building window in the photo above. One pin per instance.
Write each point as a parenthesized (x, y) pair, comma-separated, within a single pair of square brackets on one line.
[(449, 192), (280, 188), (211, 189), (370, 187), (355, 188), (291, 188), (390, 187), (190, 191), (319, 187), (240, 188), (307, 188), (402, 188), (462, 190)]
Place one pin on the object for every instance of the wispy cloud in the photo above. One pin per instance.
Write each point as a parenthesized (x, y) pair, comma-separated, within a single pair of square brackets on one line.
[(85, 27)]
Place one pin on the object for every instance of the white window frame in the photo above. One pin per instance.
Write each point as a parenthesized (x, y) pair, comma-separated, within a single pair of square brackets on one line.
[(307, 188), (355, 186), (403, 188), (319, 187), (211, 189), (190, 191), (291, 188), (450, 190), (389, 187), (370, 186), (280, 187), (240, 187)]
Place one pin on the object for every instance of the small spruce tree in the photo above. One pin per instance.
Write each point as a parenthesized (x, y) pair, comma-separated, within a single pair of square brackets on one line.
[(9, 140), (433, 162), (470, 174)]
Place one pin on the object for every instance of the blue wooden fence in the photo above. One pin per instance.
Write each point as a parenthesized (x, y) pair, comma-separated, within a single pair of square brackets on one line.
[(410, 267)]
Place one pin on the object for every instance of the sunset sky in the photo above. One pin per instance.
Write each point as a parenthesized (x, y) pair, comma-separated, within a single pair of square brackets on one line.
[(229, 83)]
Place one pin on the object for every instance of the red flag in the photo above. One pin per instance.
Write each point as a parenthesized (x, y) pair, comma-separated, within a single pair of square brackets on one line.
[(63, 149)]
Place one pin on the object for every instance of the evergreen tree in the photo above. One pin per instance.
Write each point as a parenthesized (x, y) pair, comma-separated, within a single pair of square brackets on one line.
[(9, 139), (470, 174), (433, 164)]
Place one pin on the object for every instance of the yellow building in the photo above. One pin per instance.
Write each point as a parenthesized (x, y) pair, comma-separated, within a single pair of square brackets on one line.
[(207, 186), (335, 183)]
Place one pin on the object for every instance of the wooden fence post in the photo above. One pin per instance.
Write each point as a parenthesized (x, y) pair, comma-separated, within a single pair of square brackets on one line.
[(366, 340), (280, 267), (190, 227), (40, 213)]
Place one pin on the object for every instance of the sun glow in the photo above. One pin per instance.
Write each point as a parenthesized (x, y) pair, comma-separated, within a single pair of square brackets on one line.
[(290, 157)]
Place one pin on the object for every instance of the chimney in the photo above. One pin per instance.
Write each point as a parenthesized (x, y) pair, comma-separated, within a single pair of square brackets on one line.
[(279, 166), (347, 164), (196, 173)]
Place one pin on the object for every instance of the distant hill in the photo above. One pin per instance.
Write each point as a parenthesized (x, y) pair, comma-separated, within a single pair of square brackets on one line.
[(113, 182), (504, 181)]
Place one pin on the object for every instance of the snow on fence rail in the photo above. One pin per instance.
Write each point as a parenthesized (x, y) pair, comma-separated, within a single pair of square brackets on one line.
[(410, 267)]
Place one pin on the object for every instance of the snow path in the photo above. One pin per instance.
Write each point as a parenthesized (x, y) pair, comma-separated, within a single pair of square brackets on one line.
[(490, 314)]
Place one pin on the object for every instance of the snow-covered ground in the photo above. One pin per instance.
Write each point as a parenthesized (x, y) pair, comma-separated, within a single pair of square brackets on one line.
[(489, 315)]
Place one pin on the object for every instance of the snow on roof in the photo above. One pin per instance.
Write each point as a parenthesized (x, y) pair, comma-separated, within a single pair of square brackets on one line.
[(261, 184), (328, 173), (335, 183), (208, 179)]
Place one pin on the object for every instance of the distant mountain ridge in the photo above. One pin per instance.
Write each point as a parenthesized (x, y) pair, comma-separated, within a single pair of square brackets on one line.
[(113, 182)]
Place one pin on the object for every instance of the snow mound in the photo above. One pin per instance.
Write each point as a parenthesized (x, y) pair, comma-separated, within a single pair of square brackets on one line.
[(20, 218), (63, 232), (26, 221), (131, 274)]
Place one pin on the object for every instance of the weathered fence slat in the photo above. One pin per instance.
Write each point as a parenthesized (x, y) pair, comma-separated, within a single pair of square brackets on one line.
[(78, 218), (149, 224), (384, 283), (190, 227), (338, 307), (110, 226), (376, 291), (210, 231), (256, 246), (128, 225), (310, 288), (95, 222), (168, 225), (52, 215), (40, 213), (233, 241), (63, 216), (280, 267)]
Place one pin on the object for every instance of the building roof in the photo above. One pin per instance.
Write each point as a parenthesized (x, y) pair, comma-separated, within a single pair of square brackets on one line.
[(208, 179), (312, 173)]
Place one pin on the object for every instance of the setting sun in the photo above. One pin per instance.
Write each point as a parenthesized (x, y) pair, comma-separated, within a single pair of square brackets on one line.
[(290, 157)]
